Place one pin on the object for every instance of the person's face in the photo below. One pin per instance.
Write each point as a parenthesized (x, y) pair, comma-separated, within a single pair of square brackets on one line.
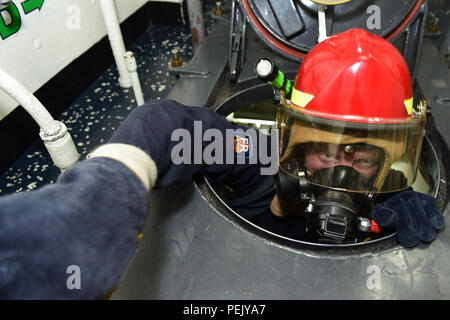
[(363, 159)]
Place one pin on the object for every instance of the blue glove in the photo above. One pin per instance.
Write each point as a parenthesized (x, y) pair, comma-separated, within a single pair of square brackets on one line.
[(416, 216)]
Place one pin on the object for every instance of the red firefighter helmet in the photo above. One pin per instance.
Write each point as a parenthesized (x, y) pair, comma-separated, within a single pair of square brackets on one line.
[(354, 76), (352, 90)]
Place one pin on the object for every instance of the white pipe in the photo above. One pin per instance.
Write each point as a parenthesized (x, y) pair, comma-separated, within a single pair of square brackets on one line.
[(322, 24), (53, 133), (32, 105), (116, 41), (130, 62)]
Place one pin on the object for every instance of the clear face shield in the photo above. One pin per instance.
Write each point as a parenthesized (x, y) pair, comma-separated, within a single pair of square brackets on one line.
[(338, 165), (374, 150)]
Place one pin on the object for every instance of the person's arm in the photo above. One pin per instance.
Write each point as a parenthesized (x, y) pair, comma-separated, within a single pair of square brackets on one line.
[(161, 127), (73, 239)]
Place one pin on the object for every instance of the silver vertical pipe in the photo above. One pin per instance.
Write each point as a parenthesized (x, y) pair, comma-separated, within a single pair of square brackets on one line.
[(195, 12)]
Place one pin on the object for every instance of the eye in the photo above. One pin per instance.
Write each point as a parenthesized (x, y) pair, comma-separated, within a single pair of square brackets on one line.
[(327, 156), (365, 163)]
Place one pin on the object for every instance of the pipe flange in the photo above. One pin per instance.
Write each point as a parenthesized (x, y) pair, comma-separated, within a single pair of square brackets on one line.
[(60, 133)]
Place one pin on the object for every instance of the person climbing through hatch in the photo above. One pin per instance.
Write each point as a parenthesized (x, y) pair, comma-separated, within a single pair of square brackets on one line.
[(350, 140), (350, 143)]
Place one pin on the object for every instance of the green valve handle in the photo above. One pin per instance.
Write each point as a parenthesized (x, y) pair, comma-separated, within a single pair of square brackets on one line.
[(267, 71)]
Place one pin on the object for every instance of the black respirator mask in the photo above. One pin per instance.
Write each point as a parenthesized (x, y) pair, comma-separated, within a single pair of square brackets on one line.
[(332, 214)]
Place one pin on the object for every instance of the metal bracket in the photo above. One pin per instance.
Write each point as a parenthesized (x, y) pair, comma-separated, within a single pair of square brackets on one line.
[(189, 70), (237, 40)]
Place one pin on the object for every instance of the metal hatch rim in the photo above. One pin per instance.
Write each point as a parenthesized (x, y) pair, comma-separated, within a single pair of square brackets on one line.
[(297, 55)]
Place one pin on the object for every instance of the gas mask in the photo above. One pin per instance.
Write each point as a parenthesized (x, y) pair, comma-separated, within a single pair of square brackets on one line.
[(332, 213)]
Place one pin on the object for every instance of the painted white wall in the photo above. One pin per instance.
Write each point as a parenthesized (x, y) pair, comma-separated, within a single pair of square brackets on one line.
[(51, 38)]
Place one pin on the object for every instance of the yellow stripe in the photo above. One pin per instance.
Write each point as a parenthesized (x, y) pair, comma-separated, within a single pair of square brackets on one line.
[(409, 105), (301, 98)]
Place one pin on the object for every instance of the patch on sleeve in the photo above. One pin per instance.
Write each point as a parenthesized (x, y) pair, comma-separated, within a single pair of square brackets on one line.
[(242, 145)]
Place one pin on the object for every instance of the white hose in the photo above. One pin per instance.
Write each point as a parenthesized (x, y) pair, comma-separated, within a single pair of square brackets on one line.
[(29, 102), (54, 133)]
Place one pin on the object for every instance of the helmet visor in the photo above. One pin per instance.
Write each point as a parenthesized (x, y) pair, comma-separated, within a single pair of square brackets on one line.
[(385, 156)]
